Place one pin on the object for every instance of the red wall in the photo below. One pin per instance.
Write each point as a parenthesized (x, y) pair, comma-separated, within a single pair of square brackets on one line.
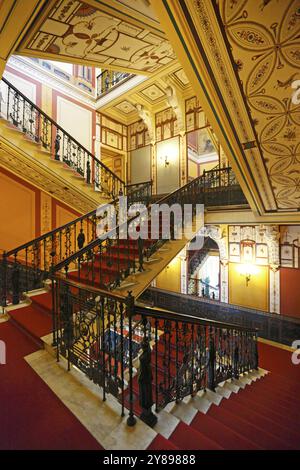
[(290, 292)]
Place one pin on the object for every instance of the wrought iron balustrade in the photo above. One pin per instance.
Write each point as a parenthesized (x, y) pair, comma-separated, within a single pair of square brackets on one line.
[(107, 261), (42, 129), (196, 257), (145, 356), (202, 289), (139, 193), (27, 266), (109, 79)]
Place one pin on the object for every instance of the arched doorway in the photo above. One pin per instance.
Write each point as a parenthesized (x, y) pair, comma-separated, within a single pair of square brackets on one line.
[(203, 270)]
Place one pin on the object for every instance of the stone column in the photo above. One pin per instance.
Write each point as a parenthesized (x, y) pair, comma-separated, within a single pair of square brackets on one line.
[(224, 280)]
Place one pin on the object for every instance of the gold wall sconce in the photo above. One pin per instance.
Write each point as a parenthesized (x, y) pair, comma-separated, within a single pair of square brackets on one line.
[(247, 270)]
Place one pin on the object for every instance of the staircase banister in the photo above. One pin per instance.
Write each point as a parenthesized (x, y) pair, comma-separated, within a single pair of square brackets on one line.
[(112, 233), (184, 318), (98, 241), (48, 234), (139, 184), (63, 130), (204, 283), (94, 290)]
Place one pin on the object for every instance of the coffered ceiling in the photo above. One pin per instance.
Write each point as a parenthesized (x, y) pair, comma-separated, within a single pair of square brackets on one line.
[(151, 94), (119, 35)]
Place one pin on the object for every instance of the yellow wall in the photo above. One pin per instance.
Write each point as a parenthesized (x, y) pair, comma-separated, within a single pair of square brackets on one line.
[(17, 209), (169, 278), (255, 295), (208, 166), (47, 100), (193, 169), (27, 212)]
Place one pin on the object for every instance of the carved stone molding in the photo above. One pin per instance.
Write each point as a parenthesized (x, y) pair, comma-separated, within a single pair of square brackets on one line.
[(174, 102), (148, 120)]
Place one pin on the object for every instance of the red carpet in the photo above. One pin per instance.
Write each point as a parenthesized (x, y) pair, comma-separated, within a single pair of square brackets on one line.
[(263, 416), (31, 416), (32, 320)]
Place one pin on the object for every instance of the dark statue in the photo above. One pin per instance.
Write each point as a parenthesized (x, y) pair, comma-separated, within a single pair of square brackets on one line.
[(145, 385), (57, 146), (80, 239), (15, 280), (88, 172)]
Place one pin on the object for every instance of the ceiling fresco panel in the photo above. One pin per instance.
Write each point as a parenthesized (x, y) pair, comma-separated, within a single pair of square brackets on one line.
[(81, 31), (265, 41)]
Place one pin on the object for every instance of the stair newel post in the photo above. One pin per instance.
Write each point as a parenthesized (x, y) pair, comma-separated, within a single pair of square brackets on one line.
[(15, 281), (211, 359), (54, 314), (236, 356), (68, 312), (129, 313), (145, 379), (156, 365), (103, 351), (255, 351), (4, 279)]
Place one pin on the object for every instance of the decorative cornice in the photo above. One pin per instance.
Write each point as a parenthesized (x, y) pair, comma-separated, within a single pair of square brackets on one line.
[(22, 64)]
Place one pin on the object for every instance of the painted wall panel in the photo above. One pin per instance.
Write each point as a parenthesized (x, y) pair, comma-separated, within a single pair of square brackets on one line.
[(17, 209), (256, 295), (290, 292), (169, 278), (76, 120), (26, 87), (167, 175), (140, 165)]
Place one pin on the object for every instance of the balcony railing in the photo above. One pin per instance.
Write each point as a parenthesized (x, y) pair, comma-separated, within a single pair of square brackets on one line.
[(62, 147), (109, 79)]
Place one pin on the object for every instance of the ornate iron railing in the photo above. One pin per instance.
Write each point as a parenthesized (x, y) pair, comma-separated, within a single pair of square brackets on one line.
[(109, 79), (42, 129), (108, 338), (202, 289), (139, 193), (195, 257), (107, 261)]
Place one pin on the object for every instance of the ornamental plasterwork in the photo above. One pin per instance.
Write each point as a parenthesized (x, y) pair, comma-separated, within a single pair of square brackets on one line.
[(264, 37), (84, 32)]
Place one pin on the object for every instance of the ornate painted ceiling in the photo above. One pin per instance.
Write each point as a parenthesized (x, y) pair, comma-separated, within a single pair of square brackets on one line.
[(120, 35), (151, 94), (265, 41)]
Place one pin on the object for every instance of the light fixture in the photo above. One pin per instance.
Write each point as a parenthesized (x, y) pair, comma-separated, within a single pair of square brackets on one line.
[(247, 270), (167, 163)]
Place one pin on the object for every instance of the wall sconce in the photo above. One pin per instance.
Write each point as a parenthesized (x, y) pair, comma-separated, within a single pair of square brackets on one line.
[(167, 163), (247, 270)]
